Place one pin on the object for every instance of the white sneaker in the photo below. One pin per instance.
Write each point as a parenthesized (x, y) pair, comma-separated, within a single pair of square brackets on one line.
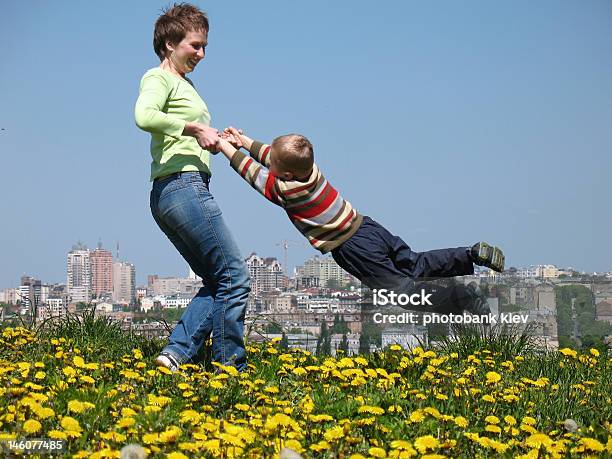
[(167, 360)]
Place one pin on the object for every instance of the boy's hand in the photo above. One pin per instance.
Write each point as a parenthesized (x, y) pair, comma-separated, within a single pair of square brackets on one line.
[(231, 138), (245, 141)]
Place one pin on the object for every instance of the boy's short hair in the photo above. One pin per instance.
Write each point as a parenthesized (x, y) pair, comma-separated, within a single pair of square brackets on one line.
[(174, 23), (295, 153)]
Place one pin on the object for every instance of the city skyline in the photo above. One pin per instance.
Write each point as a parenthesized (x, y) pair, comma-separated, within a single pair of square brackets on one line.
[(447, 124), (142, 276)]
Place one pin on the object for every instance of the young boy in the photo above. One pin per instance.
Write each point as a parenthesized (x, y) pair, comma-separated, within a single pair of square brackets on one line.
[(285, 173)]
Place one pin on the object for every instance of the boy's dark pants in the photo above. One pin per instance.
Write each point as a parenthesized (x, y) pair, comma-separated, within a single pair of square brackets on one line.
[(381, 260)]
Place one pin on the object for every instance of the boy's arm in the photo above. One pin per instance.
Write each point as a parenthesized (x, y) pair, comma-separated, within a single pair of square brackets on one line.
[(253, 172), (260, 152)]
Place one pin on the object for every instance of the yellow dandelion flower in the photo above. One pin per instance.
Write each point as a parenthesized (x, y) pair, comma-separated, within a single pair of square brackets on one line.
[(335, 433), (510, 420), (529, 421), (113, 436), (57, 435), (190, 416), (377, 452), (294, 445), (216, 384), (427, 442), (594, 352), (566, 351), (320, 417), (71, 427), (492, 419), (403, 445), (152, 409), (176, 455), (537, 440), (493, 377), (171, 434), (69, 372), (242, 406), (488, 398), (44, 413), (375, 410), (126, 422), (31, 426), (493, 444), (461, 422), (76, 406), (151, 438), (321, 446), (299, 371), (493, 428), (590, 444)]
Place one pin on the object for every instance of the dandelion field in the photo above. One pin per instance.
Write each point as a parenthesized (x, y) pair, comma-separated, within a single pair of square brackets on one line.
[(396, 403)]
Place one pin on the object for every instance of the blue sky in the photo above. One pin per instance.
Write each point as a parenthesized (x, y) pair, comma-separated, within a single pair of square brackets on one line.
[(448, 122)]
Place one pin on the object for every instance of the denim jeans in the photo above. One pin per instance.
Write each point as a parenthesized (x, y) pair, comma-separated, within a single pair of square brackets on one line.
[(383, 261), (187, 213)]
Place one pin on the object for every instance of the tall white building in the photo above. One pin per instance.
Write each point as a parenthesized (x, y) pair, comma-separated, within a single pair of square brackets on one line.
[(266, 274), (79, 274), (124, 282)]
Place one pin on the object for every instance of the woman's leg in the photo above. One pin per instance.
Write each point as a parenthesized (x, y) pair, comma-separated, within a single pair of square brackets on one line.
[(186, 211)]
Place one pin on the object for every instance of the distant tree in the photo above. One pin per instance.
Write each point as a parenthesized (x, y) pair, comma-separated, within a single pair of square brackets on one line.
[(273, 327), (333, 283), (344, 345), (324, 341), (364, 344), (284, 342)]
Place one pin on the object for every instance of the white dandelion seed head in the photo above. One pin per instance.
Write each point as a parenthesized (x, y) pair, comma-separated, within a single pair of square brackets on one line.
[(288, 453), (570, 425), (133, 451)]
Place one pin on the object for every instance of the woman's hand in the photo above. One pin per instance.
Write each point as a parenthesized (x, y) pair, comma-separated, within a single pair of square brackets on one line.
[(206, 136)]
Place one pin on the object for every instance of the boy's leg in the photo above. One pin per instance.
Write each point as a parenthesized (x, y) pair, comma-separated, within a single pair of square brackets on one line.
[(449, 262), (367, 255)]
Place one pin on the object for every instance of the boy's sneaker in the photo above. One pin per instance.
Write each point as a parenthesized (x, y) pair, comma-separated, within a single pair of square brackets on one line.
[(478, 305), (483, 254), (167, 360)]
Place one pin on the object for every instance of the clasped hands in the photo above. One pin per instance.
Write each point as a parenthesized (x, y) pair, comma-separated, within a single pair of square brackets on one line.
[(209, 138)]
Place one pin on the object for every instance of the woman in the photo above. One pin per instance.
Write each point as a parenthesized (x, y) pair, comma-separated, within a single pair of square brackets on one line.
[(170, 109)]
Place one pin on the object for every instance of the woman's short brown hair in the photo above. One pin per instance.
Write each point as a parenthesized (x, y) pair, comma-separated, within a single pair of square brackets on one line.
[(174, 24)]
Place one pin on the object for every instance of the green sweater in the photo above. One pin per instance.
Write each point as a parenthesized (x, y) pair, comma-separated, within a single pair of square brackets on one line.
[(165, 104)]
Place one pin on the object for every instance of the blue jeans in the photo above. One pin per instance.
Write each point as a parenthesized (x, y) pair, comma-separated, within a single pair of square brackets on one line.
[(383, 261), (187, 213)]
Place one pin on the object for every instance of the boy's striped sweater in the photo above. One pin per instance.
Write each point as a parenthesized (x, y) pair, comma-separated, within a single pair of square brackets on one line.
[(315, 208)]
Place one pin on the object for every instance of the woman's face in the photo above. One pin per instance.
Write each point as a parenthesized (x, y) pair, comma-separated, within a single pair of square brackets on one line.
[(189, 51)]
